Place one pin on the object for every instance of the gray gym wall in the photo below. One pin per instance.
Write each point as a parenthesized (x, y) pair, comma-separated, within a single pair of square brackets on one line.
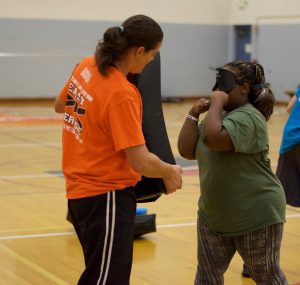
[(278, 50), (37, 56)]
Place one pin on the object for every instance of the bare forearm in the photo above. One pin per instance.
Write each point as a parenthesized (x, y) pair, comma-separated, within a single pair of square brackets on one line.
[(212, 125), (187, 139), (291, 104), (213, 134), (149, 165), (153, 167), (59, 105)]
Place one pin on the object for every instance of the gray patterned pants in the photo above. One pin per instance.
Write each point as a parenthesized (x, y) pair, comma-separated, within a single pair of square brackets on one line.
[(260, 251)]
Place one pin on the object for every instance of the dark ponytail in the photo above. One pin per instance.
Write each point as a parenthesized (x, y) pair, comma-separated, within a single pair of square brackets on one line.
[(137, 31), (110, 49), (264, 100), (260, 95)]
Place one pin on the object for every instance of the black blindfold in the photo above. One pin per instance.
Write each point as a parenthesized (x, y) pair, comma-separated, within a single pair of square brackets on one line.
[(225, 80)]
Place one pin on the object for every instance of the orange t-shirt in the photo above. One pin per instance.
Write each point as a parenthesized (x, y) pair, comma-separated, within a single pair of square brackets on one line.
[(103, 116)]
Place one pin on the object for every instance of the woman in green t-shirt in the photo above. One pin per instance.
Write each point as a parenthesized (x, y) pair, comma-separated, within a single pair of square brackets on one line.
[(242, 203)]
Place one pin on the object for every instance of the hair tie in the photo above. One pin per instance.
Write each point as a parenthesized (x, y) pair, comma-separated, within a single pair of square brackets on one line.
[(260, 86), (121, 29)]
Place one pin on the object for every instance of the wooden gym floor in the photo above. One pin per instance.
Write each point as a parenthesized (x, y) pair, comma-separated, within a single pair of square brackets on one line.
[(37, 244)]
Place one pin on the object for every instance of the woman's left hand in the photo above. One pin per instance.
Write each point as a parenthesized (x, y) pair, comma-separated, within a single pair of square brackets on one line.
[(220, 96)]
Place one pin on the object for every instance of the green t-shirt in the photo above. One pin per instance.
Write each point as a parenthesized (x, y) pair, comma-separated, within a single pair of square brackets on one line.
[(239, 191)]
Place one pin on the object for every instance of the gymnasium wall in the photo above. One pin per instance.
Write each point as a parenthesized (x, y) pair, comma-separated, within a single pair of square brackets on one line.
[(275, 39), (39, 55), (41, 41)]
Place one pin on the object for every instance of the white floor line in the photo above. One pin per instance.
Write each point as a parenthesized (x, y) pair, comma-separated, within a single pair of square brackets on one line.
[(18, 177), (176, 225), (36, 235), (293, 216), (72, 233), (193, 167), (47, 175)]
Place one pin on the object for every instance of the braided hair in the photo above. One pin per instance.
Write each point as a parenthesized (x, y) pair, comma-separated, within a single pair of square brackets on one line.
[(260, 94)]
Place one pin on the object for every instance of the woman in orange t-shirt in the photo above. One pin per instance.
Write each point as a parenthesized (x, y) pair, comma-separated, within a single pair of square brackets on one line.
[(104, 151)]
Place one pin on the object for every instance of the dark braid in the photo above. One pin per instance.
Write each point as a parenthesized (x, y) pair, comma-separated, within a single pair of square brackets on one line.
[(260, 95)]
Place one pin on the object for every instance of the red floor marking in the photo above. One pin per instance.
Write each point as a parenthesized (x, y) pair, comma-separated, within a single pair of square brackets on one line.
[(190, 172), (18, 120)]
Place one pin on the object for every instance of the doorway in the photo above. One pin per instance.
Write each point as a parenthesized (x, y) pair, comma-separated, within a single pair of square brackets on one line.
[(243, 42)]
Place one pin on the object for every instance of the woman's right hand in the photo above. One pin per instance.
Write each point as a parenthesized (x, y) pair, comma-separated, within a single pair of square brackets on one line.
[(200, 106), (173, 181)]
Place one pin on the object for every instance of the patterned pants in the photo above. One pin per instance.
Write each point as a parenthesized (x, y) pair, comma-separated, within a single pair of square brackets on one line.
[(260, 251)]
